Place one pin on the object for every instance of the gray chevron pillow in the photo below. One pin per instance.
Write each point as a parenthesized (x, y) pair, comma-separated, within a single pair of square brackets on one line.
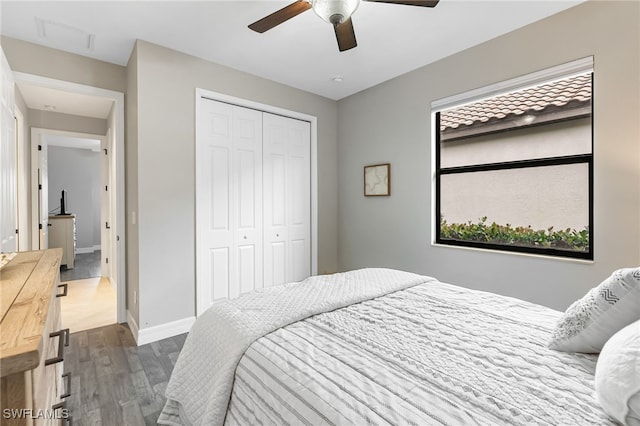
[(589, 322)]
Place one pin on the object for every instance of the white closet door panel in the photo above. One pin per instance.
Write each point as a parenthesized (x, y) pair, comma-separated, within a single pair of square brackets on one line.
[(247, 180), (219, 273), (300, 263), (299, 229), (278, 272), (299, 192), (229, 201), (213, 201), (274, 191), (247, 261), (299, 202), (247, 274), (275, 203), (287, 200), (218, 173), (277, 187)]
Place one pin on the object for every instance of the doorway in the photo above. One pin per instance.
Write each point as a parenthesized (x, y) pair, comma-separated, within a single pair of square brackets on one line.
[(76, 180), (110, 151)]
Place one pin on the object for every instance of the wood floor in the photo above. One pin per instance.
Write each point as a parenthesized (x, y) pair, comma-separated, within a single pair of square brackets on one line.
[(113, 381), (89, 303)]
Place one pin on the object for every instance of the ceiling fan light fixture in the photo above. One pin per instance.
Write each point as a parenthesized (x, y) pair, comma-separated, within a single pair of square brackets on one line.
[(335, 11)]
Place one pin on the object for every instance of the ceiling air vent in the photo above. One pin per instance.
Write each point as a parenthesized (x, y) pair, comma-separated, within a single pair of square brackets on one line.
[(63, 35)]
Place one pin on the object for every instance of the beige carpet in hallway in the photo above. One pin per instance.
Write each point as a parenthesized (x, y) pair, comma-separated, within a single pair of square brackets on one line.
[(89, 303)]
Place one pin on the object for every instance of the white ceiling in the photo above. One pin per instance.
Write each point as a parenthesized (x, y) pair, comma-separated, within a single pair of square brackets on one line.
[(302, 52)]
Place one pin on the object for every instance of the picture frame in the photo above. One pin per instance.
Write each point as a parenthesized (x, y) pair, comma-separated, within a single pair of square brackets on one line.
[(377, 180)]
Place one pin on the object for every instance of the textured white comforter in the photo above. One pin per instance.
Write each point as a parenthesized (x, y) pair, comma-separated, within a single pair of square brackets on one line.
[(432, 354), (200, 386)]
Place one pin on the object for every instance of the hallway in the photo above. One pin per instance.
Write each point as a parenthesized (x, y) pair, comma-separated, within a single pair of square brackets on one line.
[(86, 266), (91, 299)]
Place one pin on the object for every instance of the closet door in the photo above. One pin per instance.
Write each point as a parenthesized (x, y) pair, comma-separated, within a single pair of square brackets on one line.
[(228, 201), (247, 205), (287, 199)]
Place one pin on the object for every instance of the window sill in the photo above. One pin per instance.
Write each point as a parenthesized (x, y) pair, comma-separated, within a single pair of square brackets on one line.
[(515, 253)]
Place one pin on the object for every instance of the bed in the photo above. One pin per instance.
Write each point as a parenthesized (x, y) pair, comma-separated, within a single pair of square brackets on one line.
[(379, 346)]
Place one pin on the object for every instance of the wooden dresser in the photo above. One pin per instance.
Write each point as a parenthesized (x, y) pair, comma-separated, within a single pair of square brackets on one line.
[(62, 233), (31, 341)]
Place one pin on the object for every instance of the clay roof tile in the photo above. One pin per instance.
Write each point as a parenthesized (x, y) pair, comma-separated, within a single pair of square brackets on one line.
[(558, 94)]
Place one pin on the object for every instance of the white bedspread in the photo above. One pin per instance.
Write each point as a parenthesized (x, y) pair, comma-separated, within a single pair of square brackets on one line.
[(432, 354), (200, 387)]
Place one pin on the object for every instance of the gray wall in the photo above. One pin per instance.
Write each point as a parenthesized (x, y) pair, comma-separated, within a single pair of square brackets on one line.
[(39, 60), (166, 81), (77, 170), (391, 123)]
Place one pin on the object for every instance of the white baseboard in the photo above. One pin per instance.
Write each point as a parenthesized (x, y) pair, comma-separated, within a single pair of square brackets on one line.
[(133, 325), (159, 332)]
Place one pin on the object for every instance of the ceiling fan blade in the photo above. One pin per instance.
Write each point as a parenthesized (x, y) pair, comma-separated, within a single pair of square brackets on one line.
[(423, 3), (280, 16), (345, 35)]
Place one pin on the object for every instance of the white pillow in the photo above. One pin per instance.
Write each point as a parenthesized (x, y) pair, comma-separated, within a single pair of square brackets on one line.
[(589, 322), (618, 376)]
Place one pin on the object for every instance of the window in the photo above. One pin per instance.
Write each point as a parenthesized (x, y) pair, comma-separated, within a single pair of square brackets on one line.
[(514, 170)]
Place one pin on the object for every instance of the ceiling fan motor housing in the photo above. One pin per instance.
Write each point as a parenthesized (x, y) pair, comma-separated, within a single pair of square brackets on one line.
[(335, 11)]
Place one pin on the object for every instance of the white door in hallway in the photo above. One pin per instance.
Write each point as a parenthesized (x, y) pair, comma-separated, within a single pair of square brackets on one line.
[(287, 199), (8, 163), (106, 192), (228, 201), (40, 189)]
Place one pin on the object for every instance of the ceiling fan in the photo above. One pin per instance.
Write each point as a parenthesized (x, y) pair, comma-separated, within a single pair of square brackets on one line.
[(336, 12)]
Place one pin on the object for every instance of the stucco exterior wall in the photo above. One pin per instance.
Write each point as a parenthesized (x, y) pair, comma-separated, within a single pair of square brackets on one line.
[(540, 197)]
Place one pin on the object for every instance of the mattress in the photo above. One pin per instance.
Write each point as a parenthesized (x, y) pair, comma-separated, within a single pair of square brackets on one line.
[(421, 354)]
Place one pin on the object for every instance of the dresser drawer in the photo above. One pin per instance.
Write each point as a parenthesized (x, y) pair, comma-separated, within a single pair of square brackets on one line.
[(47, 381), (31, 340)]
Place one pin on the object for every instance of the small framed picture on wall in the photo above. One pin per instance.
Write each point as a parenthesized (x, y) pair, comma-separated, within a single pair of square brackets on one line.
[(377, 180)]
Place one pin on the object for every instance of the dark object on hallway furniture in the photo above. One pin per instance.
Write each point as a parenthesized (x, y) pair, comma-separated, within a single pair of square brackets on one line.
[(63, 203)]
